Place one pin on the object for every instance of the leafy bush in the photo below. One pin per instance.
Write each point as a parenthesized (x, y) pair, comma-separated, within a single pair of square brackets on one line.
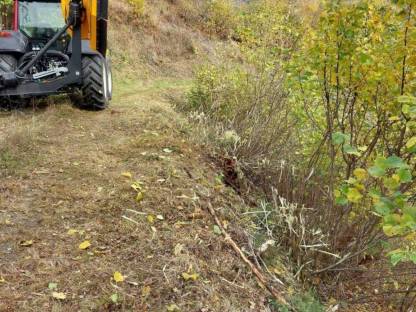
[(138, 6), (323, 115), (221, 18)]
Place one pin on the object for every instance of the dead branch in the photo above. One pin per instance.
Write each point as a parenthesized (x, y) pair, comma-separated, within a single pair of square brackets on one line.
[(260, 277)]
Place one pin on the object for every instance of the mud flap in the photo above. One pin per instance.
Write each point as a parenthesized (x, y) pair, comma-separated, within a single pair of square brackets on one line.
[(102, 21)]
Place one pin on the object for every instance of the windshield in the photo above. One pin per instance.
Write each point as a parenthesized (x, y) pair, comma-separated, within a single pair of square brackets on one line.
[(40, 19)]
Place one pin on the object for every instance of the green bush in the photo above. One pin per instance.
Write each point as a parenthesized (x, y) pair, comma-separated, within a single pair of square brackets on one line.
[(221, 17)]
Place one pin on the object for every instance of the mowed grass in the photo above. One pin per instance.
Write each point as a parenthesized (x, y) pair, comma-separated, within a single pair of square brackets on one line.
[(62, 183)]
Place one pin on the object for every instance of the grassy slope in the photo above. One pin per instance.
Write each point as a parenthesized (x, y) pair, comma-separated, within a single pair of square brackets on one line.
[(63, 171)]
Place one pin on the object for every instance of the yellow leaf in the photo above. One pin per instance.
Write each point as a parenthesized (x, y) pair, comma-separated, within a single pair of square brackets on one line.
[(127, 175), (360, 174), (59, 295), (187, 276), (2, 280), (411, 142), (72, 232), (146, 291), (139, 197), (137, 186), (26, 243), (394, 118), (396, 177), (84, 245), (354, 195), (118, 277), (150, 219), (173, 308)]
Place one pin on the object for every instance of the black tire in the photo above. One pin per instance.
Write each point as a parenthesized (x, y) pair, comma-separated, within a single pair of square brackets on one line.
[(8, 63), (93, 94)]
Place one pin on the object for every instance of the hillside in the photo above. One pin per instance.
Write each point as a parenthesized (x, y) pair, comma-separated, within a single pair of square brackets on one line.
[(212, 183), (66, 178)]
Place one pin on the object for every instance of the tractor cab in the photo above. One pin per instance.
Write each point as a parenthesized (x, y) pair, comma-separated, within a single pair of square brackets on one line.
[(39, 20)]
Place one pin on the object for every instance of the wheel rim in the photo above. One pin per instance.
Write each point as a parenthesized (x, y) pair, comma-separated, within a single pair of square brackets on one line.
[(110, 82), (105, 87)]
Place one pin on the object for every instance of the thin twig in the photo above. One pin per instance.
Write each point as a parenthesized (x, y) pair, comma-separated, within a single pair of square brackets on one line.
[(260, 277)]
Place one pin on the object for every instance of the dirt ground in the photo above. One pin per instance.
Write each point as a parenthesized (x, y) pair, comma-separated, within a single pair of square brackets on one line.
[(65, 178)]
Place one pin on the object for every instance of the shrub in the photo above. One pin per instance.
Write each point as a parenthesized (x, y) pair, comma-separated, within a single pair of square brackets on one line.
[(221, 18), (138, 6)]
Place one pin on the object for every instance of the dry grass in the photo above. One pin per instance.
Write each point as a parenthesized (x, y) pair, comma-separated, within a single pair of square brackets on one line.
[(76, 183)]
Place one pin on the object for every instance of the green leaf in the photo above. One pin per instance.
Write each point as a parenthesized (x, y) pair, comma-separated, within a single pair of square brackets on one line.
[(376, 172), (395, 162), (354, 195), (384, 206), (405, 99), (348, 149), (405, 175), (339, 138), (412, 257), (396, 257), (411, 142)]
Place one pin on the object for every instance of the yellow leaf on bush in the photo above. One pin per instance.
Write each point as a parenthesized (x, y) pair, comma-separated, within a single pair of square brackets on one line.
[(118, 277), (84, 245), (360, 174), (59, 295), (354, 195), (411, 142)]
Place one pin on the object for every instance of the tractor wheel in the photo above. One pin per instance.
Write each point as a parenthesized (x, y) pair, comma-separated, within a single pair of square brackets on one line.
[(8, 63), (94, 93)]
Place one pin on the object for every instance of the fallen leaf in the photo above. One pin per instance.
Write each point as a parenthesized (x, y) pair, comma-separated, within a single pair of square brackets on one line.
[(26, 243), (137, 186), (217, 230), (127, 175), (139, 197), (160, 217), (188, 277), (146, 291), (2, 280), (84, 245), (59, 295), (178, 249), (72, 232), (150, 219), (167, 150), (114, 298), (173, 308), (118, 277), (52, 286)]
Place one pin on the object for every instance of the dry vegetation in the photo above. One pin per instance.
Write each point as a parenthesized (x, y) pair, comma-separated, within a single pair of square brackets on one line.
[(66, 176)]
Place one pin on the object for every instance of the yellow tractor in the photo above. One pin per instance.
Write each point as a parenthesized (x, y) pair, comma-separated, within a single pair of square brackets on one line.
[(51, 47)]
